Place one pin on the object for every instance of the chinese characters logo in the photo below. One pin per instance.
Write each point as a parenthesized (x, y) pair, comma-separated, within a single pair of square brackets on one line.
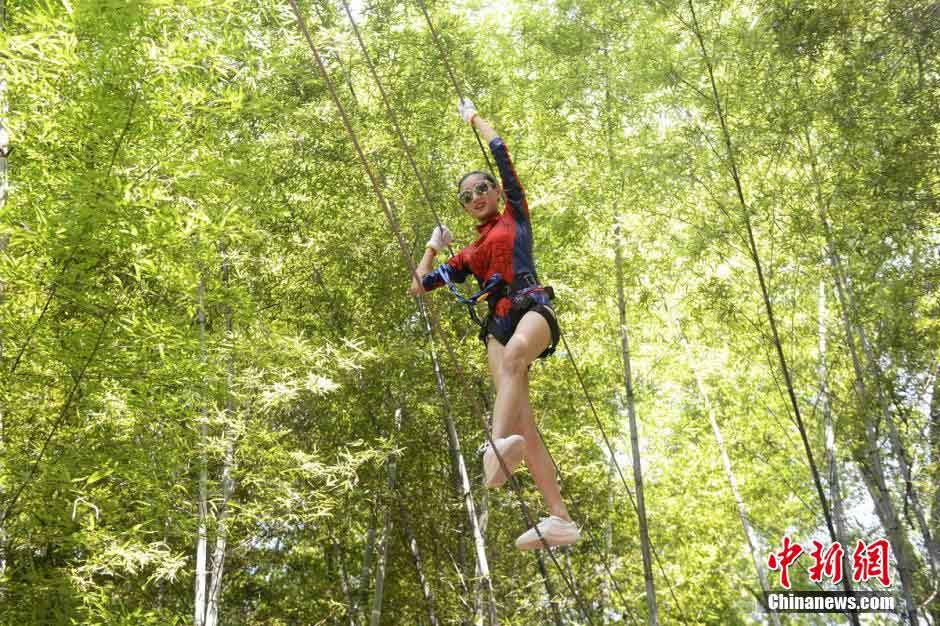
[(869, 561)]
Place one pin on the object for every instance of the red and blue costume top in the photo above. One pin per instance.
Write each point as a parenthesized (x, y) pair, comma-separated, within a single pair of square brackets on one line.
[(504, 246)]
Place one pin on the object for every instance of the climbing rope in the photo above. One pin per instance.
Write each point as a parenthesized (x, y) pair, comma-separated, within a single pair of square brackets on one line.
[(453, 79), (613, 459), (472, 301), (393, 118), (404, 250), (575, 510)]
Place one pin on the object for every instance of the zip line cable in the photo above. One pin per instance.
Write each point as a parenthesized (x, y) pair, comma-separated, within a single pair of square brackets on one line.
[(403, 249), (336, 330), (516, 488), (393, 118), (587, 528)]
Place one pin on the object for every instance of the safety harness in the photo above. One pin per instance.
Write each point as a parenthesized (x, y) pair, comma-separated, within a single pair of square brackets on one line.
[(523, 285)]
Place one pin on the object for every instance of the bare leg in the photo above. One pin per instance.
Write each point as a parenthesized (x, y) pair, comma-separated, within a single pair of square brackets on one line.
[(541, 466), (511, 375), (536, 455)]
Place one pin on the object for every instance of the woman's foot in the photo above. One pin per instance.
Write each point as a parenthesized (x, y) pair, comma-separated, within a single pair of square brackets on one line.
[(512, 451), (556, 531)]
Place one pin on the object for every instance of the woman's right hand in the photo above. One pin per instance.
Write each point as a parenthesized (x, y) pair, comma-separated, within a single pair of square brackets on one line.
[(441, 237), (466, 110)]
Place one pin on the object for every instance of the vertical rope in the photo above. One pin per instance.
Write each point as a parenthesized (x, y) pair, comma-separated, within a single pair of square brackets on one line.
[(393, 118), (453, 79), (613, 457)]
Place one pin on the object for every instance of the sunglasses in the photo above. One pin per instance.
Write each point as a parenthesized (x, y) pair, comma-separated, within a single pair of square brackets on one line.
[(479, 189)]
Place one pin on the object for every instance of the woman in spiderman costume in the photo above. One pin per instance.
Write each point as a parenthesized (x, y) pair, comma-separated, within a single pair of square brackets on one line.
[(519, 328)]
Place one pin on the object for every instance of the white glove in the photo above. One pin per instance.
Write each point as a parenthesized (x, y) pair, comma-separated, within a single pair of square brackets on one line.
[(440, 238), (466, 109)]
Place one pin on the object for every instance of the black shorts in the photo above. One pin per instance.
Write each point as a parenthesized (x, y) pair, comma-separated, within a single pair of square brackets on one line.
[(503, 331)]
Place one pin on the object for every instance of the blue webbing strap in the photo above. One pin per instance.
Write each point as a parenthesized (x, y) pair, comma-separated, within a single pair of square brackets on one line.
[(492, 285)]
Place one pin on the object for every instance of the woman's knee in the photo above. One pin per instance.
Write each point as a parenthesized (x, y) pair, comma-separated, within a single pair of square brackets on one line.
[(514, 362)]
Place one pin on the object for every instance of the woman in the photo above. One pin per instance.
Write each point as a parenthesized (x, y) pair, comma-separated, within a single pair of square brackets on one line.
[(520, 327)]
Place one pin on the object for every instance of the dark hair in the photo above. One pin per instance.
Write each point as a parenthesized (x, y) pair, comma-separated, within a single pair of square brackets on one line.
[(485, 175)]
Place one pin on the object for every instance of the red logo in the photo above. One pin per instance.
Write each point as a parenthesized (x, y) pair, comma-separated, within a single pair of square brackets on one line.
[(828, 563), (784, 559), (869, 561)]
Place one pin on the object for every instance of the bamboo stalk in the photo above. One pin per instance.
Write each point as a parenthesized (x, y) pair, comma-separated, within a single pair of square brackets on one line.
[(835, 491), (765, 293), (870, 463), (4, 239), (652, 610), (228, 481), (378, 594), (749, 534), (426, 589), (344, 582), (199, 604), (453, 444), (377, 597)]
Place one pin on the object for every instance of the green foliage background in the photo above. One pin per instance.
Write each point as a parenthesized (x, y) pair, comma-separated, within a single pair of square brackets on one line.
[(155, 141)]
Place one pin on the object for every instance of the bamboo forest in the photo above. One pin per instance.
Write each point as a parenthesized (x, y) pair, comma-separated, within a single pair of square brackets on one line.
[(240, 385)]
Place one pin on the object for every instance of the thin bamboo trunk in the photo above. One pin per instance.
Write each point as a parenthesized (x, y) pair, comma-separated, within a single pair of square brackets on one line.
[(409, 262), (203, 495), (344, 582), (4, 134), (461, 564), (454, 446), (483, 517), (933, 438), (377, 596), (608, 538), (336, 55), (418, 563), (894, 437), (4, 186), (749, 534), (870, 463), (825, 401), (550, 594), (549, 589), (765, 292), (868, 458), (635, 443), (478, 599), (386, 535), (847, 300), (365, 576), (228, 482), (221, 536)]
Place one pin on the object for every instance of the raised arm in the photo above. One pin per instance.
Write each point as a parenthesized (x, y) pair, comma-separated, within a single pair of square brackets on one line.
[(488, 132), (515, 194)]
